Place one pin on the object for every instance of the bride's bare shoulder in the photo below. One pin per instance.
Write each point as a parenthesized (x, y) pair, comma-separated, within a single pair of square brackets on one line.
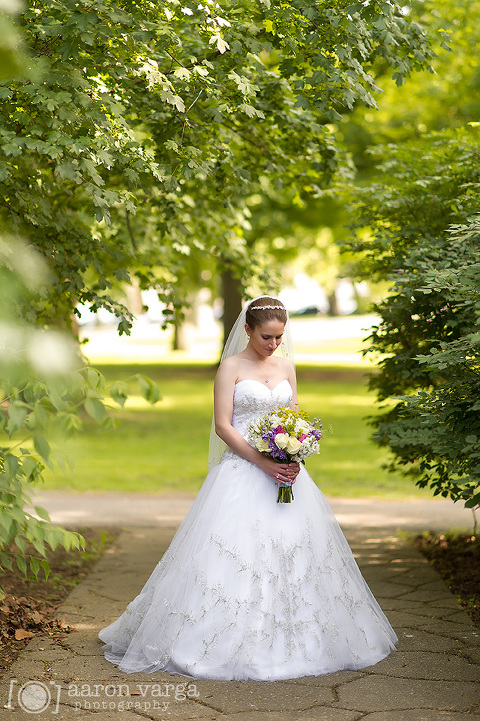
[(230, 363), (285, 364), (229, 367)]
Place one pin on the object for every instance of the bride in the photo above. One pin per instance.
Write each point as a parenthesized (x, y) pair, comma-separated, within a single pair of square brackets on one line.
[(250, 588)]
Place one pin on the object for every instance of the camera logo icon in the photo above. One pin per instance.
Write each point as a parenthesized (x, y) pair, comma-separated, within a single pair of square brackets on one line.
[(35, 696)]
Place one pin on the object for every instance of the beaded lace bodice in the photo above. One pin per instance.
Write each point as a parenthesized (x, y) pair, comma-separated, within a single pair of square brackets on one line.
[(252, 399)]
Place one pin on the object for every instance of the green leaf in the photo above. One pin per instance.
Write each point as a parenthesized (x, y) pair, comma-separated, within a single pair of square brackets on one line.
[(95, 409), (34, 566), (119, 392), (148, 389), (6, 560), (30, 468), (183, 73), (40, 417), (222, 45), (46, 568), (95, 379), (42, 446), (21, 564), (68, 170), (173, 99), (38, 544), (53, 537), (251, 111), (18, 515), (42, 512), (11, 465), (6, 527), (21, 543), (17, 412), (89, 166)]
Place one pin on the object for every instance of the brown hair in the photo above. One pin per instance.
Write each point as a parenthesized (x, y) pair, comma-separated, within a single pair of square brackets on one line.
[(264, 309)]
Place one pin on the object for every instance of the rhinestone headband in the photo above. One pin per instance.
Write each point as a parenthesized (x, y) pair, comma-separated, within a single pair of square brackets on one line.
[(264, 307)]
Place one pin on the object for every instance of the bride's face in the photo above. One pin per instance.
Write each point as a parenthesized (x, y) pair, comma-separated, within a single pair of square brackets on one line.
[(266, 338)]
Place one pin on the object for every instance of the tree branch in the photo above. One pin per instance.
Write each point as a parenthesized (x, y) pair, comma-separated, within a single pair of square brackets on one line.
[(130, 231), (186, 113)]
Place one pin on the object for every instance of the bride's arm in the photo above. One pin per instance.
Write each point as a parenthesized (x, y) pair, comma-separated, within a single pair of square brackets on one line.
[(223, 409), (292, 379)]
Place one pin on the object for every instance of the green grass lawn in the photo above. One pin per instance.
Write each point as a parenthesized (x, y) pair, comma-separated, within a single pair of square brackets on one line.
[(164, 448)]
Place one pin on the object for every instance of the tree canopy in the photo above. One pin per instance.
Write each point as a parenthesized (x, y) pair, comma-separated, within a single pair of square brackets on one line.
[(140, 128), (415, 211), (132, 136)]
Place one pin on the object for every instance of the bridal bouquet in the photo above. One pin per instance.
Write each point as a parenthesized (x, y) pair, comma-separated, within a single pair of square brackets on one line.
[(286, 436)]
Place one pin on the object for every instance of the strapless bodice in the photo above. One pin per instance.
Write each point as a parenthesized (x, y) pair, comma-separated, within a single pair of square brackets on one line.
[(251, 399)]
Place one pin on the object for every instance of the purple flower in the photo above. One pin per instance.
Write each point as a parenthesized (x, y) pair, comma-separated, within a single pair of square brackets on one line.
[(277, 452)]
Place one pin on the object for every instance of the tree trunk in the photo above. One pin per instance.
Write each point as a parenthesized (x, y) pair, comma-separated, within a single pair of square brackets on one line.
[(333, 303), (232, 300), (179, 341), (134, 301), (190, 317)]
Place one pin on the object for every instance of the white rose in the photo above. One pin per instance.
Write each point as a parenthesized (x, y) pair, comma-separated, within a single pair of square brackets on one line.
[(281, 440), (293, 445), (262, 446), (302, 427)]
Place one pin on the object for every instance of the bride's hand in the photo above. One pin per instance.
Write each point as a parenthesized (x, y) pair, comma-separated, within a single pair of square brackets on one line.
[(294, 470), (281, 472)]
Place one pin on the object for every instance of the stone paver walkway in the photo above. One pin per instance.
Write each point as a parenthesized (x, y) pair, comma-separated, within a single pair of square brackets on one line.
[(142, 509), (433, 676)]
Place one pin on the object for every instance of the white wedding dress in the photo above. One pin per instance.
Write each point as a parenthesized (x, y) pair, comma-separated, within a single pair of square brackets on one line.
[(250, 588)]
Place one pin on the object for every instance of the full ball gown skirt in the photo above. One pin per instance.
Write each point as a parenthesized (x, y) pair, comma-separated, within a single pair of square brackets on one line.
[(250, 588)]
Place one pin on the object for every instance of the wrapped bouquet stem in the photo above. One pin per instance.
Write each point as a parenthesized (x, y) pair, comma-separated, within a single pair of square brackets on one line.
[(285, 492), (286, 436)]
